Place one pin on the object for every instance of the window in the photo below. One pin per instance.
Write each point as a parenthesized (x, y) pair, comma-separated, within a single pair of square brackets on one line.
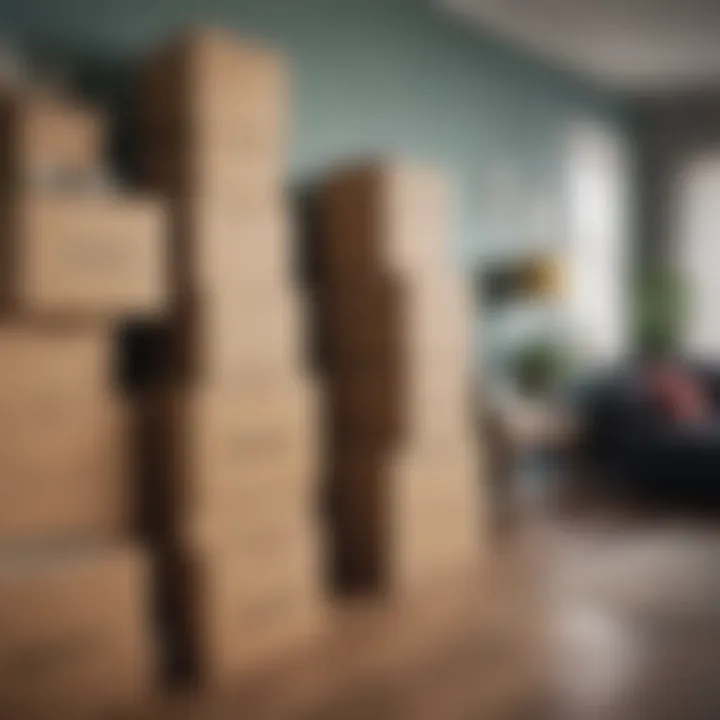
[(598, 187), (696, 245)]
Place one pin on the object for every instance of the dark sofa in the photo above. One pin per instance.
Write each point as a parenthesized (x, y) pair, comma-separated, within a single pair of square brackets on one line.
[(635, 450)]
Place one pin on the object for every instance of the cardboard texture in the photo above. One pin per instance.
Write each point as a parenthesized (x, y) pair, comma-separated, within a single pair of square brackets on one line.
[(64, 469), (63, 440), (40, 364), (48, 140), (394, 324), (247, 246), (238, 428), (210, 87), (225, 456), (238, 333), (229, 172), (84, 256), (73, 632), (243, 609), (383, 215)]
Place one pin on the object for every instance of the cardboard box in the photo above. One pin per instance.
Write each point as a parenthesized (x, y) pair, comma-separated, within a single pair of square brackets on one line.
[(350, 239), (232, 173), (428, 564), (418, 219), (211, 87), (258, 504), (239, 246), (42, 366), (48, 141), (243, 610), (438, 512), (358, 522), (438, 406), (85, 256), (440, 493), (64, 467), (229, 449), (438, 316), (73, 632), (363, 324), (223, 336), (383, 215), (368, 403), (63, 447)]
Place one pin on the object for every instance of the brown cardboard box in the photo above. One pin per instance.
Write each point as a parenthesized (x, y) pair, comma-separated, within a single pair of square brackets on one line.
[(417, 219), (256, 501), (357, 499), (425, 564), (438, 406), (63, 446), (234, 173), (73, 635), (63, 467), (86, 256), (383, 216), (239, 333), (370, 403), (45, 139), (437, 511), (39, 365), (230, 448), (243, 609), (350, 237), (438, 317), (226, 247), (212, 87), (364, 323), (439, 493)]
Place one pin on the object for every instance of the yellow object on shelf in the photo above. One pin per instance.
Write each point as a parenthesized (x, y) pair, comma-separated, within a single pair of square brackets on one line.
[(542, 277)]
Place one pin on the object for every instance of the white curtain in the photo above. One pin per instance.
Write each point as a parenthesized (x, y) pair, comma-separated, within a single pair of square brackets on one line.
[(599, 241), (696, 245)]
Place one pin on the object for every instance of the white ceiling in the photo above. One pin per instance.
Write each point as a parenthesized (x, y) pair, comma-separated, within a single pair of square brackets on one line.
[(636, 45)]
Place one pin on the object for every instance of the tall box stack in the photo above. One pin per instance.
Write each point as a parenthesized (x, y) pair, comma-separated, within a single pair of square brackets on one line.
[(75, 261), (394, 327), (437, 490), (237, 426), (360, 307)]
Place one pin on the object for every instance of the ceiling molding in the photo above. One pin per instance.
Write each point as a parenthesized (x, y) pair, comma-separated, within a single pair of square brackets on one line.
[(640, 46)]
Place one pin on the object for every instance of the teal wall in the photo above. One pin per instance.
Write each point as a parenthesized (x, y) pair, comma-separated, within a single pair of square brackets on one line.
[(393, 76)]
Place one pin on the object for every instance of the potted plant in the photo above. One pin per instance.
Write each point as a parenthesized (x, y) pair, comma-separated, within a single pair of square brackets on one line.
[(660, 310), (539, 366)]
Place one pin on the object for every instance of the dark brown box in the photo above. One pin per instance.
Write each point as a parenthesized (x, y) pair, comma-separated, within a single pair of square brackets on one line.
[(358, 518), (359, 324)]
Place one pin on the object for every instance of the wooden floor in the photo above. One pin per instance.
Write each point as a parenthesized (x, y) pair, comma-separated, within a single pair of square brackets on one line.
[(458, 649), (594, 620)]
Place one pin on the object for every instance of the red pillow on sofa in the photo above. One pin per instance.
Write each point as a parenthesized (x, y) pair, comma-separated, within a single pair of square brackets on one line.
[(677, 393)]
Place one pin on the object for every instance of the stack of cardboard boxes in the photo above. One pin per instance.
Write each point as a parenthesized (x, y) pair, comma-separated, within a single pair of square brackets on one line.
[(237, 425), (402, 473), (75, 261), (359, 313), (437, 493)]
